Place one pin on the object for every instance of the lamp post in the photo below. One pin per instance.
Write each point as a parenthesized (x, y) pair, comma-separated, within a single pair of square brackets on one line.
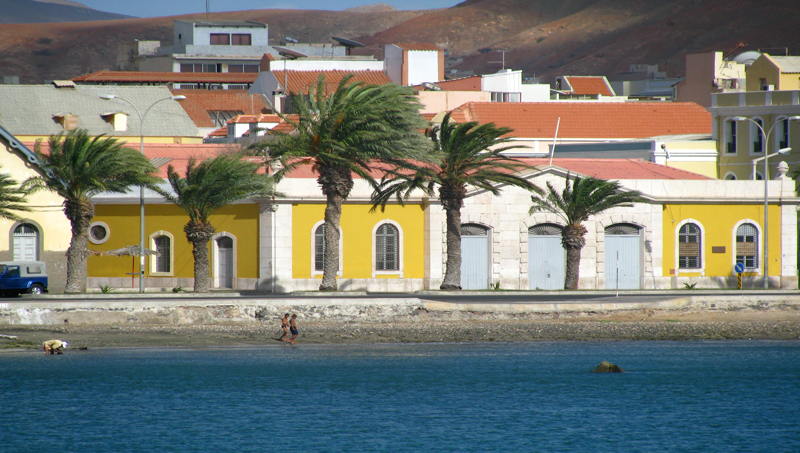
[(765, 158), (108, 97)]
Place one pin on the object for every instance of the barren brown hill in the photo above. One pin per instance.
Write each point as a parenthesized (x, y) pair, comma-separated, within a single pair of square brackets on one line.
[(542, 37)]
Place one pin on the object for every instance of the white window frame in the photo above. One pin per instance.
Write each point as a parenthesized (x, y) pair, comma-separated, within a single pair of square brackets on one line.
[(215, 258), (152, 260), (754, 132), (678, 268), (730, 132), (314, 272), (782, 129), (92, 239), (759, 251), (400, 242)]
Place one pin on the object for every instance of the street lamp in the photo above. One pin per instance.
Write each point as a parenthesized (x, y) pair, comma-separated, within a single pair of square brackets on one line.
[(765, 158), (108, 97)]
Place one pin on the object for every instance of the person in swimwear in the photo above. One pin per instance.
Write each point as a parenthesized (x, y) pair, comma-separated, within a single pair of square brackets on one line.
[(293, 328), (285, 327), (54, 346)]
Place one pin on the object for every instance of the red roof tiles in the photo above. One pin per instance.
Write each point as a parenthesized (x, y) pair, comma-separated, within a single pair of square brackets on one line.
[(199, 102), (299, 81), (617, 168), (589, 119), (589, 85)]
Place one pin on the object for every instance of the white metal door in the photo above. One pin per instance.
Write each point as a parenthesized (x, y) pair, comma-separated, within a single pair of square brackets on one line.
[(474, 257), (546, 262), (225, 254), (628, 249)]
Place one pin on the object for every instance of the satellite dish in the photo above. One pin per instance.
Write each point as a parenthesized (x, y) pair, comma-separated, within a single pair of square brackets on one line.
[(289, 53), (431, 86), (347, 42), (747, 58)]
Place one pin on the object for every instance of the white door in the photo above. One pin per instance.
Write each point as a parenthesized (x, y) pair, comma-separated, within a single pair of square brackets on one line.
[(547, 259), (26, 242), (474, 257), (225, 254), (623, 256)]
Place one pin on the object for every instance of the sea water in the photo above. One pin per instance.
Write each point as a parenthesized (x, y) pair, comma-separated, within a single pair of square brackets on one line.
[(688, 396)]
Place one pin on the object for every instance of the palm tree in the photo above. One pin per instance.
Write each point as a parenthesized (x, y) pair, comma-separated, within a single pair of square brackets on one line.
[(77, 167), (347, 132), (12, 198), (461, 157), (207, 187), (578, 201)]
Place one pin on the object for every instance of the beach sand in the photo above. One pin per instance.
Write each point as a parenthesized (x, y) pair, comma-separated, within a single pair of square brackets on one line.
[(429, 328)]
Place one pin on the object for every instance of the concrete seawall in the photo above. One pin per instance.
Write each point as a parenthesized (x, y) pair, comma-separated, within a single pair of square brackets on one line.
[(231, 309)]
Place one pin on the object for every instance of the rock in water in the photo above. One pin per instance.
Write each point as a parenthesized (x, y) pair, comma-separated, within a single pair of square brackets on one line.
[(608, 367)]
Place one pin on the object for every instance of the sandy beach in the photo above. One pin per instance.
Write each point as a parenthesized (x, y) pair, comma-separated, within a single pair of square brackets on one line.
[(430, 328)]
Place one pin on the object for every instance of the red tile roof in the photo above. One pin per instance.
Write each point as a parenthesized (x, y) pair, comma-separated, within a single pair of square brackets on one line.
[(418, 46), (589, 119), (589, 85), (167, 77), (268, 118), (199, 102), (299, 81), (617, 168)]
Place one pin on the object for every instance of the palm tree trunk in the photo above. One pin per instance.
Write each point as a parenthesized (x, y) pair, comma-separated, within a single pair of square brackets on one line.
[(333, 215), (80, 216), (198, 234), (336, 184), (452, 270), (572, 239)]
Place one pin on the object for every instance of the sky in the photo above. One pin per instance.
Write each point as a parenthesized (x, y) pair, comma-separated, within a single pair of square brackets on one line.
[(154, 8)]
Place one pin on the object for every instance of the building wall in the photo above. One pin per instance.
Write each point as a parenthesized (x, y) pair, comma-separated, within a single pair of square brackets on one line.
[(46, 215), (393, 63), (357, 225), (240, 221), (437, 101), (718, 224), (763, 68), (423, 66)]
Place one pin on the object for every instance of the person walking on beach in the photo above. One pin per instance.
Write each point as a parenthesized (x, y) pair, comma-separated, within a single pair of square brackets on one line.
[(293, 328), (285, 327), (54, 346)]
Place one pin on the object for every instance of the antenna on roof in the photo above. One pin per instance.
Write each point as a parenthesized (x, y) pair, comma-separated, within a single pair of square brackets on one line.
[(348, 43), (208, 8), (503, 62), (290, 39), (431, 86), (289, 54)]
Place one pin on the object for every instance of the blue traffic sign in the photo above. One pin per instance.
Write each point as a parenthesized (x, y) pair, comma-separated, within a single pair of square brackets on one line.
[(739, 268)]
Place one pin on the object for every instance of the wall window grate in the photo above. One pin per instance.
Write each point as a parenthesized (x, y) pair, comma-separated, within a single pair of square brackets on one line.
[(163, 246), (387, 240), (319, 248), (689, 249), (545, 229)]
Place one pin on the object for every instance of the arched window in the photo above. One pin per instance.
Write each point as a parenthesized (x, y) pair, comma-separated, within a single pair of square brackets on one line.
[(26, 242), (689, 247), (730, 137), (163, 247), (319, 248), (387, 247), (162, 265), (756, 136), (747, 245)]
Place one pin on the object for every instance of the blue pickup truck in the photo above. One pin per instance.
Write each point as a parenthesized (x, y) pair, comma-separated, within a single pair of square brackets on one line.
[(17, 277)]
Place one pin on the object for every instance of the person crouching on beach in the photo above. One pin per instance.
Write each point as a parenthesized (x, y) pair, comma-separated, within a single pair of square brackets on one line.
[(285, 327), (54, 346), (293, 328)]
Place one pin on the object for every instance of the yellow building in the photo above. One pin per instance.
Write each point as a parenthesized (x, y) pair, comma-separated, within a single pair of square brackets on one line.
[(771, 73), (743, 143)]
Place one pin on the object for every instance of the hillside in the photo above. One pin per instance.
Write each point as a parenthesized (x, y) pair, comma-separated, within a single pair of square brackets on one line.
[(42, 11), (544, 38)]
